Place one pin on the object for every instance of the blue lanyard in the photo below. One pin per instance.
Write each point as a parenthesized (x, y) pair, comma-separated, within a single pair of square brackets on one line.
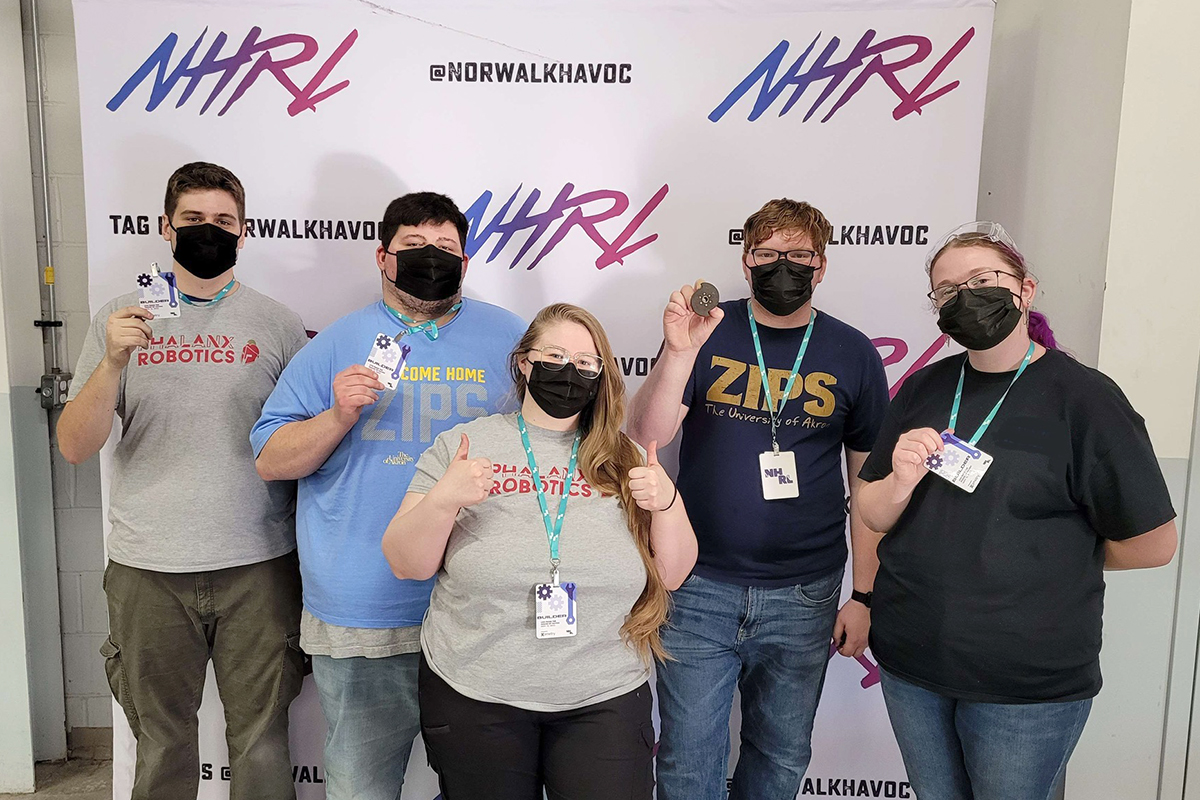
[(205, 303), (962, 373), (762, 370), (429, 327), (553, 527)]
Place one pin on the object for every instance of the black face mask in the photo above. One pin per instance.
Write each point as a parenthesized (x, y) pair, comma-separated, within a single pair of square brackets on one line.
[(205, 250), (980, 319), (562, 393), (428, 273), (782, 287)]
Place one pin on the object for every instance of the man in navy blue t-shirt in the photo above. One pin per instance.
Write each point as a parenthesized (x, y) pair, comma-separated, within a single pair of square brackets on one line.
[(769, 393)]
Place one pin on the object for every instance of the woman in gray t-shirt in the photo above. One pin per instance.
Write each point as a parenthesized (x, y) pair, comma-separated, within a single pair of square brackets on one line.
[(556, 542)]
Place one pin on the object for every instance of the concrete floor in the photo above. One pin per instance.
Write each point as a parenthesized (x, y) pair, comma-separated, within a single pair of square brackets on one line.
[(71, 780)]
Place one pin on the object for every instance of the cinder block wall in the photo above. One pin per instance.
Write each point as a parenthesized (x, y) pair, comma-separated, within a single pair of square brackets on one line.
[(76, 489)]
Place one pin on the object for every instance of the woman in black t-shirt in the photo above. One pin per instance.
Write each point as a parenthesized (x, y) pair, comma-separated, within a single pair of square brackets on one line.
[(987, 606)]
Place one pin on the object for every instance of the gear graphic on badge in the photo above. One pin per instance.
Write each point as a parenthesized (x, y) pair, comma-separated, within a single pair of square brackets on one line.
[(544, 592), (158, 289), (934, 461), (144, 280), (556, 604), (383, 342)]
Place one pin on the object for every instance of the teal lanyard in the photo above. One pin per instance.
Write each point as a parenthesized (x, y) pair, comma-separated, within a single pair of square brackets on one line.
[(553, 527), (962, 374), (203, 302), (429, 327), (762, 371)]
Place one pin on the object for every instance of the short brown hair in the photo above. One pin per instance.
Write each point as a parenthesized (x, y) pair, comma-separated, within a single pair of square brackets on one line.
[(786, 215), (199, 176)]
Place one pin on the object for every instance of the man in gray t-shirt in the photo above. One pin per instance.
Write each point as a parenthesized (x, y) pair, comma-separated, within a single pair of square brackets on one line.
[(202, 550)]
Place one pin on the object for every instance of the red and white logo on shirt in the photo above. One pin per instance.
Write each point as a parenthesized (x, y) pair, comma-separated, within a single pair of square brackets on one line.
[(209, 348), (517, 479)]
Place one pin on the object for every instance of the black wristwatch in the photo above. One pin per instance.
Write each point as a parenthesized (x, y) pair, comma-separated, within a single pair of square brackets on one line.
[(862, 597)]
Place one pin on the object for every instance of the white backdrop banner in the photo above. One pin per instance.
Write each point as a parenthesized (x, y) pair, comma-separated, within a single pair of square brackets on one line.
[(605, 153)]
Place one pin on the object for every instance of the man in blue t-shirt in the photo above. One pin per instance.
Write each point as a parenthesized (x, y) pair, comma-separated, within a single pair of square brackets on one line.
[(769, 393), (352, 443)]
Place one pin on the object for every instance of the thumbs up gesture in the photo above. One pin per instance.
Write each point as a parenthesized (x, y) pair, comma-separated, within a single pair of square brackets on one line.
[(650, 486), (467, 481)]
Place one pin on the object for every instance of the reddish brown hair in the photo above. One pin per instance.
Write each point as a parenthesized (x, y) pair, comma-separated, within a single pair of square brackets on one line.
[(786, 215)]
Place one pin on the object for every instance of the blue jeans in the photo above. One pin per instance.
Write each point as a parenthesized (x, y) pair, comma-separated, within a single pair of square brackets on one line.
[(961, 750), (773, 644), (370, 705)]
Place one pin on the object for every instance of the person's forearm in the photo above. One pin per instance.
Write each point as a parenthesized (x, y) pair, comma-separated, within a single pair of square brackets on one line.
[(674, 544), (86, 422), (415, 541), (298, 449), (864, 545), (654, 410), (880, 503)]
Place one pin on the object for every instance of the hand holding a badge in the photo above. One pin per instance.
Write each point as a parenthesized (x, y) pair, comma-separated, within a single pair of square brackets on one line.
[(354, 388), (125, 332), (650, 486), (912, 449), (467, 482), (684, 329)]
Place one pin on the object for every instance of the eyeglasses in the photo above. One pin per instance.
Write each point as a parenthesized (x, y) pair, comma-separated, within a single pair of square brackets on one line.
[(980, 229), (945, 295), (555, 358), (761, 256)]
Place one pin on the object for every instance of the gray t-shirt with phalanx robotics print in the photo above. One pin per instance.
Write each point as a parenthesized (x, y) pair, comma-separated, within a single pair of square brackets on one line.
[(479, 633)]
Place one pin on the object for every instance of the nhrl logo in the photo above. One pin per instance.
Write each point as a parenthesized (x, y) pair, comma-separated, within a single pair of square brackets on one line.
[(276, 56), (587, 211), (777, 472), (887, 59)]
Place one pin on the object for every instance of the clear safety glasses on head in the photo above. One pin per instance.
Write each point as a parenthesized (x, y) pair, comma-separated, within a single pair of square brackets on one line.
[(980, 229)]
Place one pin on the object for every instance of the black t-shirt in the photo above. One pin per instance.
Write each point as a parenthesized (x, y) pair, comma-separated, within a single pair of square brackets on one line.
[(838, 401), (997, 596)]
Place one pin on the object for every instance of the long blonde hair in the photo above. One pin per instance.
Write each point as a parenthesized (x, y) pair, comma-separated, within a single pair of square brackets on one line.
[(606, 455)]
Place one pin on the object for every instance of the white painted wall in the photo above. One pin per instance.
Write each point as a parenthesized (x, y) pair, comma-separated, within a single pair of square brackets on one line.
[(1089, 160), (16, 253), (1150, 343), (1151, 335), (1182, 704), (76, 490), (1049, 149)]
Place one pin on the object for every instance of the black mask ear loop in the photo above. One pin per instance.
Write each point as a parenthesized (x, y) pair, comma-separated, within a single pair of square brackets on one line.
[(1028, 309)]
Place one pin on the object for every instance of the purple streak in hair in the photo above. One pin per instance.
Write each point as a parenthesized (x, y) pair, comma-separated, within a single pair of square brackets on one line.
[(1039, 330), (1039, 326)]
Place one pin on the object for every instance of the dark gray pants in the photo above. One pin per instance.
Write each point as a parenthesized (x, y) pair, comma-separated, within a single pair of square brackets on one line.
[(164, 628)]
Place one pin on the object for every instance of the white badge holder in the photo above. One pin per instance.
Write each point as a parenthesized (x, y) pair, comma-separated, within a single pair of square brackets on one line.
[(555, 609), (777, 470), (960, 463), (157, 293), (387, 359)]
